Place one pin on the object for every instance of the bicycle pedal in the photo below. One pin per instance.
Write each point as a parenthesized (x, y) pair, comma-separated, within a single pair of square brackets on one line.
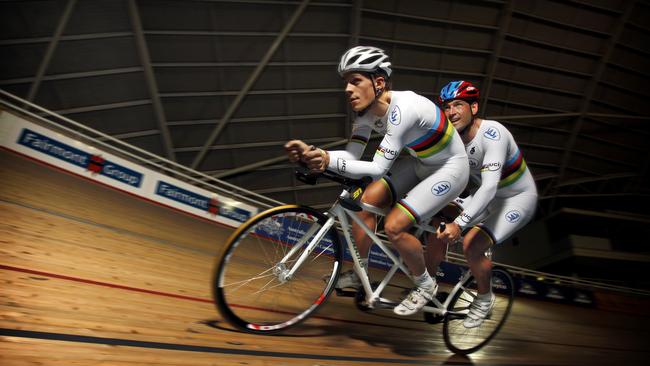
[(345, 293)]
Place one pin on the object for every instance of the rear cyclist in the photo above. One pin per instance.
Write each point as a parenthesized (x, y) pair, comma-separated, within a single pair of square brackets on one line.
[(504, 201), (417, 186)]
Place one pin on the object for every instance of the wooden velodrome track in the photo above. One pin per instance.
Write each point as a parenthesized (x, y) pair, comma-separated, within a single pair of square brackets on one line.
[(93, 276)]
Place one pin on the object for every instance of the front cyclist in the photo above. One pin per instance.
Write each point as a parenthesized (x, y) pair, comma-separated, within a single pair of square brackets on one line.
[(416, 187), (504, 201)]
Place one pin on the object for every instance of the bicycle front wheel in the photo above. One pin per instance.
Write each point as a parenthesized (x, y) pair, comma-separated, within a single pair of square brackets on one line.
[(462, 340), (258, 284)]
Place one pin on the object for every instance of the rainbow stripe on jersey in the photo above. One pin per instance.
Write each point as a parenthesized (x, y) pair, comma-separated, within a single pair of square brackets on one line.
[(436, 139), (513, 170)]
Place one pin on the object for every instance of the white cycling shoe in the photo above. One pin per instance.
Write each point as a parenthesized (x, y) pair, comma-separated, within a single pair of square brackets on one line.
[(416, 299), (478, 311)]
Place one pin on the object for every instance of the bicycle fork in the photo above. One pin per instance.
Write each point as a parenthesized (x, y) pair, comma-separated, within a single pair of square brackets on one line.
[(281, 270)]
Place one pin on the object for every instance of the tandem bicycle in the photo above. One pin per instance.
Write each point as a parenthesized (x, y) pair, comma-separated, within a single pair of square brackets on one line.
[(281, 265)]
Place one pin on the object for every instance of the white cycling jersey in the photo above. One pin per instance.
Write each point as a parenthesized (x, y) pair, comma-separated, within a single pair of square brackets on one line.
[(506, 188), (412, 122)]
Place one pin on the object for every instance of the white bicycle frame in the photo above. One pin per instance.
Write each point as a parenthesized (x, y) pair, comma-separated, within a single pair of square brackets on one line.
[(372, 296)]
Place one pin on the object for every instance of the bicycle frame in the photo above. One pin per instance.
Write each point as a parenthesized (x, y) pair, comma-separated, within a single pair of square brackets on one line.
[(373, 298)]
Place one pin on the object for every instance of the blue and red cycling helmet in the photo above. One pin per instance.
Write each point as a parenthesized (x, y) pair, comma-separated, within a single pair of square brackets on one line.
[(460, 89)]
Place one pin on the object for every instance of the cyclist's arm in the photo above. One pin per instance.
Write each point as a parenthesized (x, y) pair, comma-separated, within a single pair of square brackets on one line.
[(355, 147), (493, 161), (386, 153)]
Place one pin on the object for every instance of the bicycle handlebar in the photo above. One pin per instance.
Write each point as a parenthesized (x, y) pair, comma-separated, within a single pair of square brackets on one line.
[(306, 176)]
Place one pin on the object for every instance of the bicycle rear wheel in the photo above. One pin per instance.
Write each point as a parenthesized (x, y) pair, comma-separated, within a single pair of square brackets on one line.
[(251, 288), (463, 340)]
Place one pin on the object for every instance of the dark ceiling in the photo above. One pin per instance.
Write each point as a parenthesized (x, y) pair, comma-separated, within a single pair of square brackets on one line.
[(220, 85)]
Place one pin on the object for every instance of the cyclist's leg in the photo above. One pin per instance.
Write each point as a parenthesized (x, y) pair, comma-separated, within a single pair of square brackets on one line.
[(439, 186), (377, 194), (401, 181), (435, 248), (506, 216), (409, 247), (477, 240), (436, 187)]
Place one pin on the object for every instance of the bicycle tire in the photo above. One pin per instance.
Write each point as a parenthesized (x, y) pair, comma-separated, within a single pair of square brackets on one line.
[(464, 341), (248, 287)]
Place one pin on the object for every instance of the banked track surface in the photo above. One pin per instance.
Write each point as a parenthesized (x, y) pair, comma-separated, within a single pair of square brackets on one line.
[(93, 276)]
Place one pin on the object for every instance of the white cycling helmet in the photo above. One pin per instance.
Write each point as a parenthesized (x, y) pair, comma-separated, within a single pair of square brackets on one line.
[(365, 59)]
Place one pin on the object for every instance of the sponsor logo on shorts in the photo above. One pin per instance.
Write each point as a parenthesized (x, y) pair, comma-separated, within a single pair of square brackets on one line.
[(395, 116), (472, 150), (492, 133), (441, 188), (513, 216), (465, 218)]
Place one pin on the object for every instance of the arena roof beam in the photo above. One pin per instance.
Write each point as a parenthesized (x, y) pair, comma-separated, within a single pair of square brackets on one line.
[(243, 34), (590, 91), (553, 46), (546, 67), (242, 64), (494, 58), (394, 15), (608, 177), (73, 75), (51, 47), (150, 78), (249, 84), (259, 119), (70, 37), (425, 45)]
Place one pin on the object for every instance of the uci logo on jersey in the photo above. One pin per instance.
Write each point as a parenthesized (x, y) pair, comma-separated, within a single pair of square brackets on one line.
[(440, 188), (492, 133), (513, 216), (492, 167), (395, 116), (387, 153), (341, 165)]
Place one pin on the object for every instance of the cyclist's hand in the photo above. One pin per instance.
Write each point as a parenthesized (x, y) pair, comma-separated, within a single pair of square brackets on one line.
[(316, 159), (451, 234), (295, 150)]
